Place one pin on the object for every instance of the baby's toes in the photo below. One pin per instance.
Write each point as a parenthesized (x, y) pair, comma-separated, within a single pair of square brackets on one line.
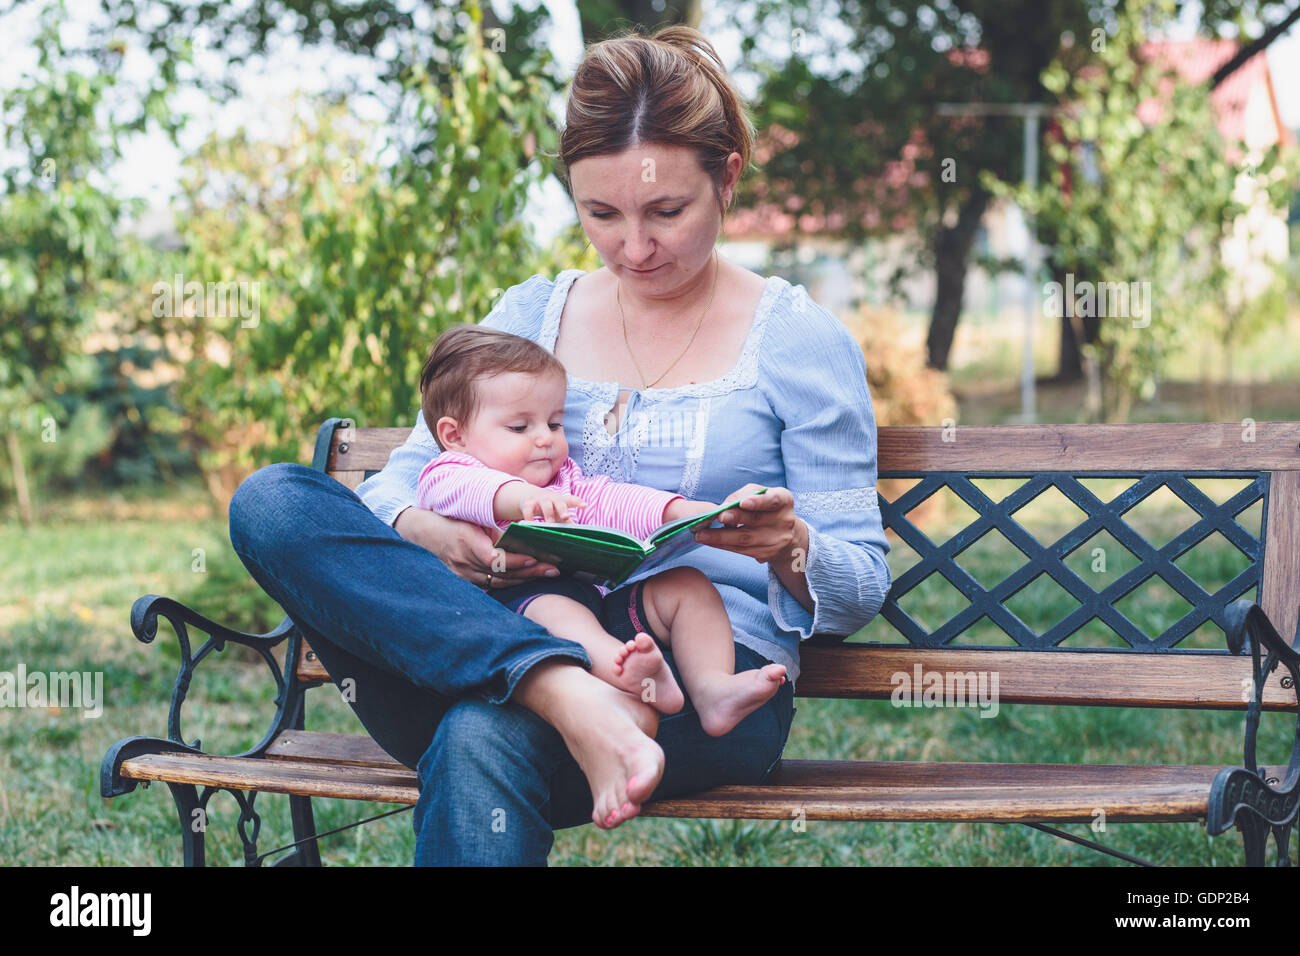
[(775, 672)]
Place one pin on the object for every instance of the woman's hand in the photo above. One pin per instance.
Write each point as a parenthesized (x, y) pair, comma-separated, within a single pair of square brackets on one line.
[(467, 549), (764, 526)]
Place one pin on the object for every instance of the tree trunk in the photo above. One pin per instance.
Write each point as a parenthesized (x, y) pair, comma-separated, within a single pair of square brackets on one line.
[(951, 260), (1069, 367), (20, 478), (1076, 333)]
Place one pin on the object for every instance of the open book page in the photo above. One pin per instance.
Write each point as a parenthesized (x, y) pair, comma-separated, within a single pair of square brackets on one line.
[(605, 553), (666, 531)]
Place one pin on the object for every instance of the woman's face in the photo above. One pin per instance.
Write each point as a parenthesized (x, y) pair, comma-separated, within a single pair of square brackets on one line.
[(652, 214)]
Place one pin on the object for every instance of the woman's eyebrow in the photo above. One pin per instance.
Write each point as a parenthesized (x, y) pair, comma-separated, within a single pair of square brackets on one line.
[(650, 202)]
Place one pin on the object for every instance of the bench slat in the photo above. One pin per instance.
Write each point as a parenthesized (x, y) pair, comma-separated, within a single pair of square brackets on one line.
[(359, 750), (1200, 681), (821, 790), (1099, 678), (276, 776), (349, 479), (315, 746), (1162, 446)]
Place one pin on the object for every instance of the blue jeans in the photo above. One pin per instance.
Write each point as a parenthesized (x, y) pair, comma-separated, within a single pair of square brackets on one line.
[(433, 662)]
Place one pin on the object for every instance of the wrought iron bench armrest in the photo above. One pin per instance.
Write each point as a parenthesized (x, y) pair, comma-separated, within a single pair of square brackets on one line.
[(144, 623), (1240, 795), (1247, 619)]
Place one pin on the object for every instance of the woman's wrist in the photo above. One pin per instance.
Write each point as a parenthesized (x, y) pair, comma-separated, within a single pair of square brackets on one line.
[(419, 526), (790, 566), (404, 519)]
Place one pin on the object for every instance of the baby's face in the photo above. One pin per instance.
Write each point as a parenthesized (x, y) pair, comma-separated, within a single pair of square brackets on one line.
[(519, 426)]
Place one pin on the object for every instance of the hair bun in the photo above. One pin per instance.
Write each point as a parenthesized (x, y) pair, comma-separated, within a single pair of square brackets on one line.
[(691, 41), (632, 89)]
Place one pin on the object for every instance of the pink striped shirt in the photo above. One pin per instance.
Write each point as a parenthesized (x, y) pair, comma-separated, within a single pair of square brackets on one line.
[(457, 485)]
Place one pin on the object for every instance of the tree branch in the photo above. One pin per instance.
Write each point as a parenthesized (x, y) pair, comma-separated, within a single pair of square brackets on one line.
[(1254, 46)]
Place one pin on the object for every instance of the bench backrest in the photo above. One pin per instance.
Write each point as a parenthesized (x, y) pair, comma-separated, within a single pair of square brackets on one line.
[(1103, 475)]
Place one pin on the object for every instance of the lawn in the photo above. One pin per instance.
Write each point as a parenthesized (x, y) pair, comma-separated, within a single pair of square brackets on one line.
[(70, 581)]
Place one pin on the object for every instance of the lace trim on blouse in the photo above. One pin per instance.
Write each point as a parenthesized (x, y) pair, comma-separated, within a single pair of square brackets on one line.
[(616, 455), (842, 499), (694, 465)]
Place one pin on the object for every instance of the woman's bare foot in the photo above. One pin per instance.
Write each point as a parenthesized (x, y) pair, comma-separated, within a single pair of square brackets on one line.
[(727, 701), (610, 734), (640, 669)]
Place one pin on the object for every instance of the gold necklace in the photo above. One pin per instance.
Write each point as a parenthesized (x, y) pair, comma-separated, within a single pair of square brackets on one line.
[(619, 298)]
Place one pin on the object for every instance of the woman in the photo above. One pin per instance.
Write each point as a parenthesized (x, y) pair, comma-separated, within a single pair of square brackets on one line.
[(686, 373)]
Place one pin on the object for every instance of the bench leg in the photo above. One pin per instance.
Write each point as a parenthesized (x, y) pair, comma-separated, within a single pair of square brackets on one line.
[(304, 828), (1254, 834), (193, 819), (247, 816), (300, 812), (1282, 840)]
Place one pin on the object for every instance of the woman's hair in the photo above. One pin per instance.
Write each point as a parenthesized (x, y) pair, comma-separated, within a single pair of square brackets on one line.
[(465, 354), (668, 88)]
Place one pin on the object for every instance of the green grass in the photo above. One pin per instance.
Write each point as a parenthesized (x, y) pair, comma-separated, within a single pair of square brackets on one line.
[(69, 584)]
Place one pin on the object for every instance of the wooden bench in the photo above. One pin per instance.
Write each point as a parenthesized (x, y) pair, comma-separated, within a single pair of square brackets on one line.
[(1040, 668)]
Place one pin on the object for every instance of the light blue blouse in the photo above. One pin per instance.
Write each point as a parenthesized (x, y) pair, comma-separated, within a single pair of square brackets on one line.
[(794, 413)]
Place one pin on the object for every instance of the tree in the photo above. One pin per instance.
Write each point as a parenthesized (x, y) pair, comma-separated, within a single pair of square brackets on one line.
[(871, 152), (859, 141), (1140, 197), (354, 267), (600, 18), (63, 257)]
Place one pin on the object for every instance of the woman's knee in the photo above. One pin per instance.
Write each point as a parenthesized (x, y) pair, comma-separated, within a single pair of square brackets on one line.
[(274, 498), (263, 494)]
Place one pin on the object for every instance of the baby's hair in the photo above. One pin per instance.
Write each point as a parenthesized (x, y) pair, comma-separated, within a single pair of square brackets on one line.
[(462, 356)]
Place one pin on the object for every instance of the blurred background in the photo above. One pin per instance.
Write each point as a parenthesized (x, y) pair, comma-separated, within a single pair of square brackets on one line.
[(222, 223)]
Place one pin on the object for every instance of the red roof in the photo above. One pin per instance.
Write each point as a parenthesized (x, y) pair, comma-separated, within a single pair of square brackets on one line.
[(1195, 61)]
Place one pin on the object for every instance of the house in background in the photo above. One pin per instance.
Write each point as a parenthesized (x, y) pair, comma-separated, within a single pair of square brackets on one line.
[(841, 274), (1245, 110)]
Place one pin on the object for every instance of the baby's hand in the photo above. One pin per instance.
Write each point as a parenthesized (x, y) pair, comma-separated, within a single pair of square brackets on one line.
[(550, 505)]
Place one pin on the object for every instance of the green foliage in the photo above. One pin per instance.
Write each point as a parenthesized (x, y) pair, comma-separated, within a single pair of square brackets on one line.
[(1142, 188), (65, 260), (57, 227), (355, 266), (868, 139), (395, 35)]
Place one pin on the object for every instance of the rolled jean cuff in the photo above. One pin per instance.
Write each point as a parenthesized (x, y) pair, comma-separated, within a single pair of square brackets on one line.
[(578, 654)]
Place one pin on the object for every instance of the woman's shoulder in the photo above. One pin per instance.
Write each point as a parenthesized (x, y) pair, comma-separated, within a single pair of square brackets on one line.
[(523, 308), (802, 332)]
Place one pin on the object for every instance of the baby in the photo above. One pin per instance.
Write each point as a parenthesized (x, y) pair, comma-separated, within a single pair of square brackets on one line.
[(495, 403)]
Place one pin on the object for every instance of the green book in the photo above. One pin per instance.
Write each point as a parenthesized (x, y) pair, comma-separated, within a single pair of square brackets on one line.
[(606, 555)]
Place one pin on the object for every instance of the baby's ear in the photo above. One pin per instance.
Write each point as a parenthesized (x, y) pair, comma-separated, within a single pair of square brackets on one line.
[(448, 432)]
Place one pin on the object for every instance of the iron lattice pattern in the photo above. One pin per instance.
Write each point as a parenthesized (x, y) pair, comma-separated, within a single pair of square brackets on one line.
[(1050, 557)]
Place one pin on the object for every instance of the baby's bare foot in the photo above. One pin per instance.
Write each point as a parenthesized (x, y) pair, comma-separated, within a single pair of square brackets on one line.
[(640, 669), (732, 698)]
